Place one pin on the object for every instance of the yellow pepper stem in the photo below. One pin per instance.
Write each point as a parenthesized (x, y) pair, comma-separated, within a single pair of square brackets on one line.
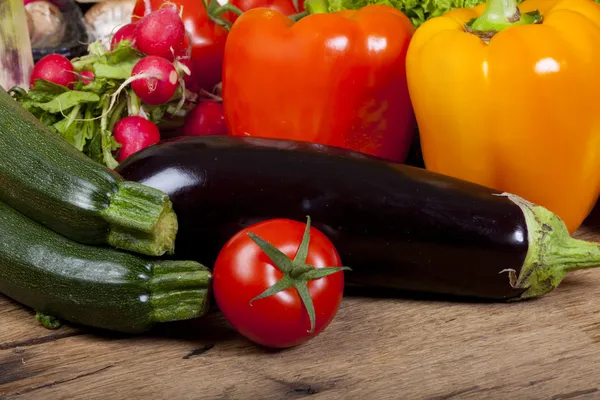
[(499, 15)]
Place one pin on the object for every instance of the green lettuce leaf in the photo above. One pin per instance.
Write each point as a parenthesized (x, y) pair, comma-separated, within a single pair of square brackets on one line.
[(116, 71), (418, 11), (109, 144), (76, 132), (99, 85), (93, 147), (114, 64), (66, 101), (44, 91)]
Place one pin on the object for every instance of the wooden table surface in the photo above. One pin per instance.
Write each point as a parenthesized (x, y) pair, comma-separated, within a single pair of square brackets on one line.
[(547, 348)]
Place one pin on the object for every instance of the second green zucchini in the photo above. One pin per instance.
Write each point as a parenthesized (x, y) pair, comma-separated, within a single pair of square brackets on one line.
[(95, 286)]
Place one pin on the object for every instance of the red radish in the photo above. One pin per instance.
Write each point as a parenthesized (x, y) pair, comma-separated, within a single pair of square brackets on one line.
[(134, 134), (160, 82), (161, 33), (126, 32), (86, 76), (205, 119), (54, 68)]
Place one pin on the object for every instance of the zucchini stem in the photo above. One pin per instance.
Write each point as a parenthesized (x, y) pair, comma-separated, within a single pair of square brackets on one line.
[(552, 252), (179, 290), (141, 220)]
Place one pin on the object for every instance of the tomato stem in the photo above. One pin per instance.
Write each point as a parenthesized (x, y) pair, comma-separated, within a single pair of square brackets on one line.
[(296, 273), (225, 8), (298, 17), (214, 11)]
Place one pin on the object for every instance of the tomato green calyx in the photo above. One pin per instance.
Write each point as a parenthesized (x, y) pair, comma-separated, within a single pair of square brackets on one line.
[(296, 273), (214, 11)]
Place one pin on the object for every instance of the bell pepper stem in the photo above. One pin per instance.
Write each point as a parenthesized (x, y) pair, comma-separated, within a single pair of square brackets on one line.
[(501, 14), (316, 6)]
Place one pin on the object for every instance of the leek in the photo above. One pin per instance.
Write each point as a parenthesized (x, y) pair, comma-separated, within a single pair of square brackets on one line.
[(16, 58)]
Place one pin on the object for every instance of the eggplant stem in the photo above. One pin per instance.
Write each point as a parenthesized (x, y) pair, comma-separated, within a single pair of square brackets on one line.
[(552, 251)]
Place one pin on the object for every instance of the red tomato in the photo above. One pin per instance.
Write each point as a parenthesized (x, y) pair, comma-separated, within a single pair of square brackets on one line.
[(207, 38), (205, 119), (286, 7), (244, 271)]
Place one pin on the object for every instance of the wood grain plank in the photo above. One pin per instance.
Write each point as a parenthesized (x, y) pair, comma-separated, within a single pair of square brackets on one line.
[(19, 328), (547, 348)]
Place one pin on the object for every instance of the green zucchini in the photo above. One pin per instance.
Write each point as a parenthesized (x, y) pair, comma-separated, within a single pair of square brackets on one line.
[(95, 286), (50, 181)]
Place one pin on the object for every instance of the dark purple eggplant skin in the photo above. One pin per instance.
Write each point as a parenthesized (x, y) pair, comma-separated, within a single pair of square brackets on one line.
[(396, 226)]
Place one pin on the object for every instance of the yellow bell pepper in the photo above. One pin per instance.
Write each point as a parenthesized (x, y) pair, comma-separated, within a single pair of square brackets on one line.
[(510, 98)]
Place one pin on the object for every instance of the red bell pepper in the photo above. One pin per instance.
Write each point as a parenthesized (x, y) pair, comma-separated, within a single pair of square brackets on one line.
[(332, 78)]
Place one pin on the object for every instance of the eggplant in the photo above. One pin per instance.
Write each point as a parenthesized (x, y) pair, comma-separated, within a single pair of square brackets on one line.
[(396, 226)]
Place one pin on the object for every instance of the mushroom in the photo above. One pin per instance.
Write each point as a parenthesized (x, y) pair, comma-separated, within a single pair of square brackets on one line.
[(46, 24), (105, 18)]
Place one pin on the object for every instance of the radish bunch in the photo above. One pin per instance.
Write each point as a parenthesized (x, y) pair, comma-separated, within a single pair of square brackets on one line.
[(161, 37), (140, 81), (160, 33)]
